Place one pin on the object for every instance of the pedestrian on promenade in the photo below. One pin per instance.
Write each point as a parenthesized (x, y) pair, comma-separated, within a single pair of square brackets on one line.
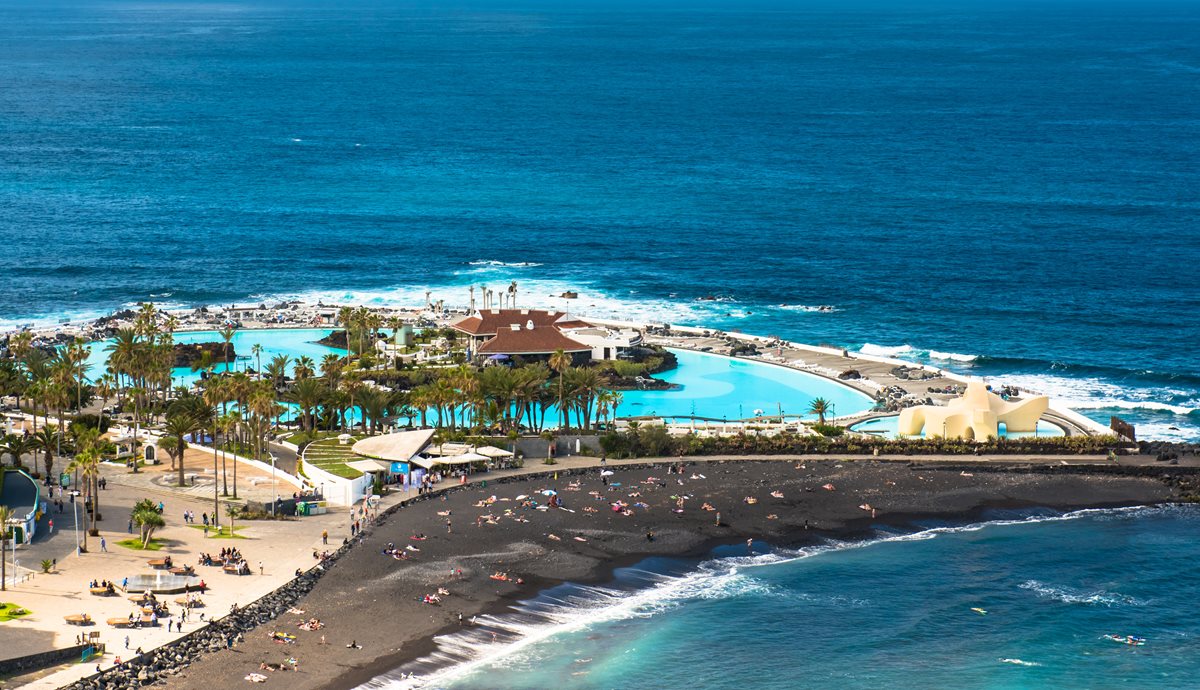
[(103, 545)]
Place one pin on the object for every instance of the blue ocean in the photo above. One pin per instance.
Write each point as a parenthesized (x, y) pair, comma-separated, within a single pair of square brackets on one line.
[(1008, 189), (996, 605)]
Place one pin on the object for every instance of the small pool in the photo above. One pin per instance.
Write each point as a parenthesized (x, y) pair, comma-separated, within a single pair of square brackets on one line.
[(887, 426), (719, 387)]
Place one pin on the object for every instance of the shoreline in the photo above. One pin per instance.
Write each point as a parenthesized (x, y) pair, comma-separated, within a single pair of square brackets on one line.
[(370, 586)]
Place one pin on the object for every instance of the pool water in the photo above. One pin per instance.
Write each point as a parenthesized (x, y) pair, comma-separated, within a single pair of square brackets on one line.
[(707, 385), (719, 387), (293, 342), (887, 426)]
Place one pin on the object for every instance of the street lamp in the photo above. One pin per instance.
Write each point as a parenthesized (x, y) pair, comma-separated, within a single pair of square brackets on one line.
[(274, 491), (75, 510)]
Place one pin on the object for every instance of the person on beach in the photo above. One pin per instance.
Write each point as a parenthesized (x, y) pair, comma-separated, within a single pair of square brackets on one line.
[(718, 523)]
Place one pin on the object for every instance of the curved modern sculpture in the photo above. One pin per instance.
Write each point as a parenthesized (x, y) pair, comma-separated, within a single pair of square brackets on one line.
[(977, 414)]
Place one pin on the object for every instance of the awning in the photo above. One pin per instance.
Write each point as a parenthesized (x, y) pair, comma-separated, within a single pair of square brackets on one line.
[(464, 459), (493, 452), (369, 465), (398, 447)]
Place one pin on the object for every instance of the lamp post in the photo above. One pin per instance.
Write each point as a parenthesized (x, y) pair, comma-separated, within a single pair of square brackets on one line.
[(75, 510), (274, 491)]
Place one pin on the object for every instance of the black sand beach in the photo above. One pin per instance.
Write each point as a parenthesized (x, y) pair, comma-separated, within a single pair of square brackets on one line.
[(376, 601)]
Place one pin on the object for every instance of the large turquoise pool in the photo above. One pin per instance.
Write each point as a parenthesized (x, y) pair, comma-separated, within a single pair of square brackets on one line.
[(708, 385), (888, 427), (719, 387)]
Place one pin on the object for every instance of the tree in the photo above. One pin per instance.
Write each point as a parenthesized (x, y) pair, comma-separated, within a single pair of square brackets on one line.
[(227, 335), (232, 510), (17, 445), (47, 441), (560, 362), (257, 351), (178, 427), (146, 516), (87, 464), (820, 407)]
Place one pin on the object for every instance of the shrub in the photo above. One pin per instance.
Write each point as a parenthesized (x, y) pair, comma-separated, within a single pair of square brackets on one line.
[(830, 430)]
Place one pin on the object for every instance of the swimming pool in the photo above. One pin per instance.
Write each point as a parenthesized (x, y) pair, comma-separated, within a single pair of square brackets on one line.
[(719, 387), (708, 385), (293, 342), (887, 426)]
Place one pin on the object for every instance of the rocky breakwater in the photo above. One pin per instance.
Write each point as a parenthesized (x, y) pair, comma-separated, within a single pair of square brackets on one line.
[(187, 354), (223, 633)]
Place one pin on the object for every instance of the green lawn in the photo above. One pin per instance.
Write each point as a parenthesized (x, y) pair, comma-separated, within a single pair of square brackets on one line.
[(224, 532), (10, 612), (332, 456), (136, 544)]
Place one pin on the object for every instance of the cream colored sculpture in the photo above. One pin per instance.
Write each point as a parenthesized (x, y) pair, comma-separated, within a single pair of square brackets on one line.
[(977, 414)]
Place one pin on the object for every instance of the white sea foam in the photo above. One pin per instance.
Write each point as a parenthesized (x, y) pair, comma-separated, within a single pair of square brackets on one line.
[(952, 356), (1018, 662), (823, 308), (504, 264), (1095, 393), (1072, 595), (885, 350), (467, 652)]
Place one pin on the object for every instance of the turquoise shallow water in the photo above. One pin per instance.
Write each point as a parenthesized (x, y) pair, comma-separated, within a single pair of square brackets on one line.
[(893, 613)]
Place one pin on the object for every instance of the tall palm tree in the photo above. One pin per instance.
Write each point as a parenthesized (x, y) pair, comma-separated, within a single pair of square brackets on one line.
[(47, 440), (257, 351), (87, 465), (304, 368), (308, 394), (179, 426), (560, 362), (227, 336), (276, 369), (820, 407)]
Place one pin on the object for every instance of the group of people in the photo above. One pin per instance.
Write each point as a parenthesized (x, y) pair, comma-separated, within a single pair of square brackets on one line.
[(108, 587)]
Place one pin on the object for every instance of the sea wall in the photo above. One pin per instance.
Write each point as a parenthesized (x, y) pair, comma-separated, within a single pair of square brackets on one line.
[(41, 660)]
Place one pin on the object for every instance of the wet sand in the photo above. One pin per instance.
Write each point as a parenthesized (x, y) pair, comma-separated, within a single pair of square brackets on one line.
[(375, 601)]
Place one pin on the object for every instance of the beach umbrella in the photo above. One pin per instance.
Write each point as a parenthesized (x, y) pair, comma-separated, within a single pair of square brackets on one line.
[(497, 358), (549, 492), (606, 473)]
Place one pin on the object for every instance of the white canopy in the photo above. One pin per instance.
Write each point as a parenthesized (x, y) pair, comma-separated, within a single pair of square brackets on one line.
[(369, 465), (463, 459), (493, 452)]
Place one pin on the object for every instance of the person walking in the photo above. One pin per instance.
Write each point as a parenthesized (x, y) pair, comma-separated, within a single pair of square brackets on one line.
[(103, 545), (324, 536)]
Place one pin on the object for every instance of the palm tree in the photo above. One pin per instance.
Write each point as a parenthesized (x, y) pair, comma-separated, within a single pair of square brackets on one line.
[(178, 427), (304, 368), (257, 351), (148, 519), (47, 440), (6, 514), (820, 407), (227, 335), (203, 363), (277, 369), (308, 394), (87, 464), (560, 362)]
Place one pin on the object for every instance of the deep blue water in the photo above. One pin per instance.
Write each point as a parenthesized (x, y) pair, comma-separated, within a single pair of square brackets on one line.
[(1015, 183), (896, 613)]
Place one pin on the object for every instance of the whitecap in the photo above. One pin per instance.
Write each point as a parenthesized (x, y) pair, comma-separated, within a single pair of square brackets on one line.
[(1018, 662), (885, 350), (952, 356), (1072, 595)]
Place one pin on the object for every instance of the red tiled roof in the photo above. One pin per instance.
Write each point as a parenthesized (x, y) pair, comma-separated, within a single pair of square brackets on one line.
[(537, 341), (491, 321)]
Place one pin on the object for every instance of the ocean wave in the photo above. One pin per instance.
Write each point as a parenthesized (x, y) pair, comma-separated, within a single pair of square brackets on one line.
[(1018, 662), (821, 308), (1071, 595), (952, 356), (504, 264), (1096, 393), (536, 621), (885, 350)]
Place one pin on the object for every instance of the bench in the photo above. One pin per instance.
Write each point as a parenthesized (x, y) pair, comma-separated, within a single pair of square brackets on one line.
[(120, 622), (102, 592), (78, 619), (157, 563)]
